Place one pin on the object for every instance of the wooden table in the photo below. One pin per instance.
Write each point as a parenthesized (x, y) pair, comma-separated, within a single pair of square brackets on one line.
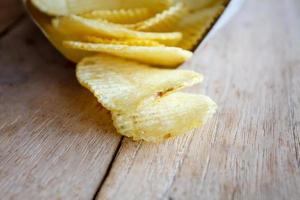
[(57, 142)]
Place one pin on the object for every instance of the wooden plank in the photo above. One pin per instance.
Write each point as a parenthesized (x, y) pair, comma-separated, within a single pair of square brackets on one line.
[(250, 150), (56, 141), (11, 10)]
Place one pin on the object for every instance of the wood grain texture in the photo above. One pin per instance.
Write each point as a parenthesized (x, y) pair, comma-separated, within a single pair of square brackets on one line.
[(10, 12), (56, 141), (250, 150)]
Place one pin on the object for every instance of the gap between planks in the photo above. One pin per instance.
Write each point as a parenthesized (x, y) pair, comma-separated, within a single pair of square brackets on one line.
[(11, 26), (11, 12), (108, 168)]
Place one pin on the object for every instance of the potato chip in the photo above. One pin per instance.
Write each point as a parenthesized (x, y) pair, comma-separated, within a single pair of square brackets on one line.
[(129, 42), (122, 16), (157, 55), (194, 5), (164, 21), (195, 25), (55, 37), (156, 119), (143, 100), (200, 16), (68, 7), (121, 84), (77, 26)]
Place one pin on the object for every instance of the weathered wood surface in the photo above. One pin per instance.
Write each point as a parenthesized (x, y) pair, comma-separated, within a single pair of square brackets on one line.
[(10, 12), (250, 150), (56, 142)]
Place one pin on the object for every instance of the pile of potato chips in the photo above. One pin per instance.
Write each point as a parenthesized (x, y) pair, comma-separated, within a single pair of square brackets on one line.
[(123, 48)]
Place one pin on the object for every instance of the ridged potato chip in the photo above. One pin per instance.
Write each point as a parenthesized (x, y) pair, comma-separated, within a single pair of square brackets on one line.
[(122, 16), (144, 101), (54, 36), (78, 26), (120, 84), (156, 55), (164, 21), (194, 5), (200, 16), (162, 118), (129, 42), (68, 7), (195, 25)]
